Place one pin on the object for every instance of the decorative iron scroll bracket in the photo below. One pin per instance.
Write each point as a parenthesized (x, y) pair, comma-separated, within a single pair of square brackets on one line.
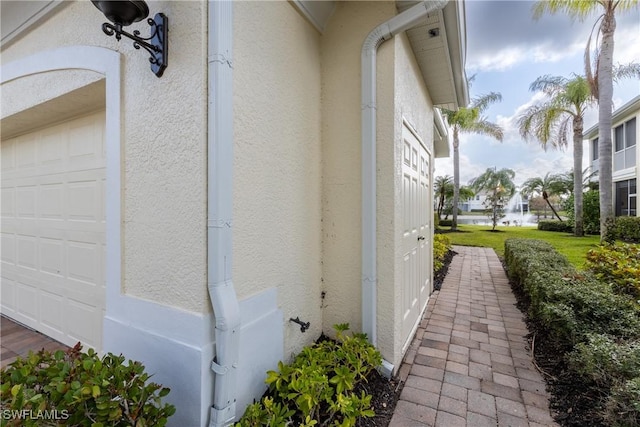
[(156, 44)]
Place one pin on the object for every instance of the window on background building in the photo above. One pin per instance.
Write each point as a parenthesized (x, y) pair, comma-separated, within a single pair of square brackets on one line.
[(594, 149), (625, 143), (626, 197)]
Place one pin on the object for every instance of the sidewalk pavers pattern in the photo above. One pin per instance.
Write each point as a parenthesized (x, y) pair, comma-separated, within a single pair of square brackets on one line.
[(469, 364)]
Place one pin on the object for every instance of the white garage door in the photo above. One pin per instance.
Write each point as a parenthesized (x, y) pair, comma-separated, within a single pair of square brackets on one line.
[(53, 230)]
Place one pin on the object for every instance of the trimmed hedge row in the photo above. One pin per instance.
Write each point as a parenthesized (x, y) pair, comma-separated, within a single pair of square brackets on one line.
[(597, 329), (627, 228), (551, 225)]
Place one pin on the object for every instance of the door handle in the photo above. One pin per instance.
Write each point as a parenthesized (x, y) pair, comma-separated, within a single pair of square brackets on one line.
[(420, 238)]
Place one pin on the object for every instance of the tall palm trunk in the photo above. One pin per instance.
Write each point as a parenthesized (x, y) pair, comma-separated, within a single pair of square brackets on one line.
[(456, 180), (578, 229), (605, 107)]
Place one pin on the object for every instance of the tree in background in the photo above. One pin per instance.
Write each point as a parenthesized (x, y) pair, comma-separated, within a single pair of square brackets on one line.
[(545, 187), (561, 113), (444, 195), (499, 187), (469, 120), (601, 82)]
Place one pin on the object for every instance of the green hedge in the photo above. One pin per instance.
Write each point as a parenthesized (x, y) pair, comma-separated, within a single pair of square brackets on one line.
[(627, 228), (597, 329), (445, 223), (551, 225)]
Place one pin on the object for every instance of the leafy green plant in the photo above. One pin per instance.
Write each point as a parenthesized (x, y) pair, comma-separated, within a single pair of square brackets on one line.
[(317, 388), (82, 389), (590, 211), (627, 229), (619, 265), (441, 246)]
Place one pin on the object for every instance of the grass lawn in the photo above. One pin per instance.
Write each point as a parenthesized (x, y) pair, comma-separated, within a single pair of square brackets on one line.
[(574, 248)]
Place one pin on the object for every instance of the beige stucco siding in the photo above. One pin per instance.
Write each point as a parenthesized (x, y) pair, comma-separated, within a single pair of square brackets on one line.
[(412, 104), (163, 144), (341, 48), (277, 169)]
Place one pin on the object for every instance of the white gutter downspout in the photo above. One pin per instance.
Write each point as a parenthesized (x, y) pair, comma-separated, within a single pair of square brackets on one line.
[(376, 37), (225, 304)]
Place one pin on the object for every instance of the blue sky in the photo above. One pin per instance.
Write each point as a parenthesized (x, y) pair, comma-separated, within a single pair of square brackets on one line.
[(507, 50)]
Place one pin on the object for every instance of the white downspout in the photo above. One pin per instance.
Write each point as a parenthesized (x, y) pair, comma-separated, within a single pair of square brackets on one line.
[(225, 304), (376, 37)]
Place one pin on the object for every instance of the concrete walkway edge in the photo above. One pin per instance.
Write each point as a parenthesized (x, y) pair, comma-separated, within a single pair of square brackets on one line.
[(469, 363)]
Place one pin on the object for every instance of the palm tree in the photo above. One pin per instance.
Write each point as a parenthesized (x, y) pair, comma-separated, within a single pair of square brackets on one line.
[(499, 186), (552, 119), (442, 187), (601, 84), (567, 180), (547, 186), (470, 120)]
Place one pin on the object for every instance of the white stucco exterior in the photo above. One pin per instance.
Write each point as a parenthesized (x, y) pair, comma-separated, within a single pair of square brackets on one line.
[(296, 190)]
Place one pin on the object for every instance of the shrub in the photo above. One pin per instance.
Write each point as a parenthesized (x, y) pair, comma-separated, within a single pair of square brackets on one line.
[(627, 228), (552, 225), (568, 304), (619, 265), (318, 385), (590, 211), (445, 223), (594, 329), (555, 225), (623, 405), (82, 389), (441, 246)]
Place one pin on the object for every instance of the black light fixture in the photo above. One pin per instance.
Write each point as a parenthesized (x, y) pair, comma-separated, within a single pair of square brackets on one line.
[(124, 13)]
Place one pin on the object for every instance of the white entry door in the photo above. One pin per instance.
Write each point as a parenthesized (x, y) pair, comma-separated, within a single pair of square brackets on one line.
[(416, 234), (53, 230)]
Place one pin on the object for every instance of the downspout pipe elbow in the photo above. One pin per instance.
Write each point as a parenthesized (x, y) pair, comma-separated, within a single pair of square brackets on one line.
[(372, 42)]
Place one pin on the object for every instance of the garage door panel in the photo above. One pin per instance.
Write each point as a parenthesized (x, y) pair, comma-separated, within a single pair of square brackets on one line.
[(27, 252), (27, 301), (82, 200), (53, 230), (51, 312), (26, 201), (8, 202), (25, 152), (8, 246), (51, 197), (52, 148), (52, 257)]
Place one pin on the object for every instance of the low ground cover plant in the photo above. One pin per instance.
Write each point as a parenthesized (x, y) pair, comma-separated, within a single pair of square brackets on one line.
[(441, 246), (593, 330), (318, 387), (75, 388)]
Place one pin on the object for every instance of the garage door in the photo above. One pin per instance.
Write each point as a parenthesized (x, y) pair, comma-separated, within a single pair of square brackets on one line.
[(53, 230)]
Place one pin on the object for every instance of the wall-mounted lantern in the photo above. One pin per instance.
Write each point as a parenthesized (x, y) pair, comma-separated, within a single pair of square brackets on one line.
[(125, 13)]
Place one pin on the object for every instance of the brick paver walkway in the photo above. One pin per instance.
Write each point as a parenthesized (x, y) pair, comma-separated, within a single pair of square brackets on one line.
[(469, 364)]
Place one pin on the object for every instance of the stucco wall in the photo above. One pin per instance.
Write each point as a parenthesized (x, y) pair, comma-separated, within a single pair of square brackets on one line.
[(413, 104), (163, 144), (277, 173), (341, 49)]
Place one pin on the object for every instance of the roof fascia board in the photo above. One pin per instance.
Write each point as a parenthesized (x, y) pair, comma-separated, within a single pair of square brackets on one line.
[(22, 15)]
